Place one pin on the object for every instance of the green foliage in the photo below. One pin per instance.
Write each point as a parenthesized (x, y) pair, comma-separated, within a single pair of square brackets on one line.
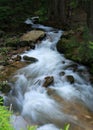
[(5, 14), (31, 127), (91, 45), (73, 3), (3, 53), (78, 48), (66, 127), (4, 119), (86, 36), (42, 13), (14, 13)]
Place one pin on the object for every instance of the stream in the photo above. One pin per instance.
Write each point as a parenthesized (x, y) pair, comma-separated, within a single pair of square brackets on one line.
[(59, 103)]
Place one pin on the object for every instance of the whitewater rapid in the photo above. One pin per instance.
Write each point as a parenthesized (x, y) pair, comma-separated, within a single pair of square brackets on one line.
[(32, 100)]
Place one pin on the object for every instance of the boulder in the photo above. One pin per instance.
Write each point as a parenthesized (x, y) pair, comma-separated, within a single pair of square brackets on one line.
[(91, 79), (33, 36), (30, 59), (70, 79), (61, 45), (48, 81)]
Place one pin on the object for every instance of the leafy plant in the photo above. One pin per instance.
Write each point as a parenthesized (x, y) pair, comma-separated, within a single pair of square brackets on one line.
[(73, 3), (31, 127), (66, 127), (91, 45), (4, 119), (42, 14)]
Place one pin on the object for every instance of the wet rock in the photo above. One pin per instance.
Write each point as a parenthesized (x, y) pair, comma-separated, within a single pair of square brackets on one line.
[(62, 73), (63, 62), (4, 87), (51, 92), (48, 81), (35, 19), (17, 58), (70, 79), (10, 69), (33, 36), (73, 67), (31, 45), (30, 59), (91, 79)]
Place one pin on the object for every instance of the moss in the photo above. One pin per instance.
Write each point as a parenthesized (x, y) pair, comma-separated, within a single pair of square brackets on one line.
[(11, 42)]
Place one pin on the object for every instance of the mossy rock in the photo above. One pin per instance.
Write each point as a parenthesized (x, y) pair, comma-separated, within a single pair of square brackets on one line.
[(33, 36), (30, 59), (61, 45), (70, 79), (11, 42), (15, 42)]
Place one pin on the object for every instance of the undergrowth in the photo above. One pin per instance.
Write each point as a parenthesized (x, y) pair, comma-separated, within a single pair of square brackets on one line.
[(5, 118)]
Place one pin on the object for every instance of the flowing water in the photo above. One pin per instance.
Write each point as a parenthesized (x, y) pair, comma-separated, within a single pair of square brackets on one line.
[(63, 101)]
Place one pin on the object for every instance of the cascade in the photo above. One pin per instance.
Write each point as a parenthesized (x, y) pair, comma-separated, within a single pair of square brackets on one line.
[(62, 101)]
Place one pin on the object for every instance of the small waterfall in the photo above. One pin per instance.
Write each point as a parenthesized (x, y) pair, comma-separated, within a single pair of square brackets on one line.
[(43, 106)]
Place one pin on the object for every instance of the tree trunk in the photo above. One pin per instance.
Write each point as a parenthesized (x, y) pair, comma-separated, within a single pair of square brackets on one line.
[(90, 16), (56, 11)]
